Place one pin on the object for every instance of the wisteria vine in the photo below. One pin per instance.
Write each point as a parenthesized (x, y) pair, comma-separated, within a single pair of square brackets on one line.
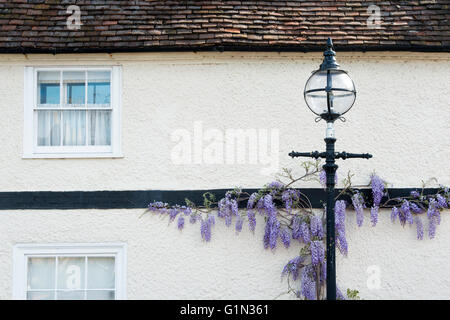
[(289, 217)]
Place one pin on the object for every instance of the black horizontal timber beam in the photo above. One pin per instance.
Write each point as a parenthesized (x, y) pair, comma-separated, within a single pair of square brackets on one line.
[(134, 199)]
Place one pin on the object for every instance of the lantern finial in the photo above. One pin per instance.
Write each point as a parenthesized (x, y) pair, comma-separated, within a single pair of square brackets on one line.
[(329, 60)]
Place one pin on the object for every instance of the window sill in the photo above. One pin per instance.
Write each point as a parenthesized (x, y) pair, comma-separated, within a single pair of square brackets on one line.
[(73, 156)]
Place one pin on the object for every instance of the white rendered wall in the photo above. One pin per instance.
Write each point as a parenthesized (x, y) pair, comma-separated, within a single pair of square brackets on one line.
[(164, 263), (400, 115)]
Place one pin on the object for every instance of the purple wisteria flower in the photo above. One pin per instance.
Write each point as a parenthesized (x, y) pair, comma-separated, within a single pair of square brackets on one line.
[(296, 222), (308, 285), (415, 208), (405, 212), (415, 194), (442, 202), (173, 213), (272, 228), (339, 211), (260, 205), (323, 272), (316, 227), (156, 205), (211, 219), (285, 236), (269, 206), (374, 215), (434, 217), (340, 295), (432, 227), (394, 214), (234, 207), (304, 233), (419, 226), (377, 189), (323, 178), (293, 267), (193, 218), (275, 185), (288, 197), (227, 207), (358, 204), (180, 222), (205, 230), (317, 252), (239, 223), (251, 200), (251, 220)]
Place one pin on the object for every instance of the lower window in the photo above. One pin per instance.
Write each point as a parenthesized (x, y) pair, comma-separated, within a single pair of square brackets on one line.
[(69, 272)]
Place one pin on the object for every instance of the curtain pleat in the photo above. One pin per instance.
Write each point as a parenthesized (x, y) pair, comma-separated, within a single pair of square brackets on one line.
[(100, 128)]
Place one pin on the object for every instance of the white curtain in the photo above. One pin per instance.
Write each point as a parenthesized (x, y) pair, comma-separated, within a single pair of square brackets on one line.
[(74, 128), (100, 128), (49, 130)]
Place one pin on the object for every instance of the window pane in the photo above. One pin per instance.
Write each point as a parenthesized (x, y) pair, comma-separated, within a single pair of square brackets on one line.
[(69, 295), (99, 89), (40, 295), (101, 273), (48, 88), (100, 128), (49, 128), (41, 273), (74, 128), (74, 83), (71, 273), (100, 295)]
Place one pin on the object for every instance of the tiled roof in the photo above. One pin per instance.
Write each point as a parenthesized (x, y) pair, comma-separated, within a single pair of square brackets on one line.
[(110, 25)]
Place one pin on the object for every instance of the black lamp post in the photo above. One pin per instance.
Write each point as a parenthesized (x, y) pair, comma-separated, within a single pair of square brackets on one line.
[(330, 93)]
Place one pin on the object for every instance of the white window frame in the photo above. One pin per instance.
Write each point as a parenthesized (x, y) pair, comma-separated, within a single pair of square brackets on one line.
[(30, 148), (22, 251)]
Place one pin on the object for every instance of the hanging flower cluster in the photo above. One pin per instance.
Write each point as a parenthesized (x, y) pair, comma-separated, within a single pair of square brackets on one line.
[(289, 219)]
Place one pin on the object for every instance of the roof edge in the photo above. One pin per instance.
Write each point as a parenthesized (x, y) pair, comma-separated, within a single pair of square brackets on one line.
[(227, 47)]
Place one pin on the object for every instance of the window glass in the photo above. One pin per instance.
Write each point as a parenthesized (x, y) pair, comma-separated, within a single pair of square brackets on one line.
[(48, 88), (74, 128), (99, 88), (71, 278), (41, 273), (71, 273), (40, 295), (85, 126), (49, 128), (101, 273), (72, 113), (99, 127), (74, 84), (101, 295)]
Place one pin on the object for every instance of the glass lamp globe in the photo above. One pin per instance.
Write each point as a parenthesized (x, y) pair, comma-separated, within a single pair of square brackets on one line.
[(330, 92)]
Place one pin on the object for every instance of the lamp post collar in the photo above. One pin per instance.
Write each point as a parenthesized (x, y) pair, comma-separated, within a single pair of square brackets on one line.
[(329, 60)]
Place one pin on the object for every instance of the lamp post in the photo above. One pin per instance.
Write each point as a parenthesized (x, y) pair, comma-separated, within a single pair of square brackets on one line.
[(330, 93)]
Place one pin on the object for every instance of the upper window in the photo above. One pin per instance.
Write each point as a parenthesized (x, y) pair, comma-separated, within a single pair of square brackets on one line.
[(72, 112), (66, 272)]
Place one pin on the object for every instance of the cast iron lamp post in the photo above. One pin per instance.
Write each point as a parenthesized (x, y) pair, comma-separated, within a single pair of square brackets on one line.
[(330, 93)]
